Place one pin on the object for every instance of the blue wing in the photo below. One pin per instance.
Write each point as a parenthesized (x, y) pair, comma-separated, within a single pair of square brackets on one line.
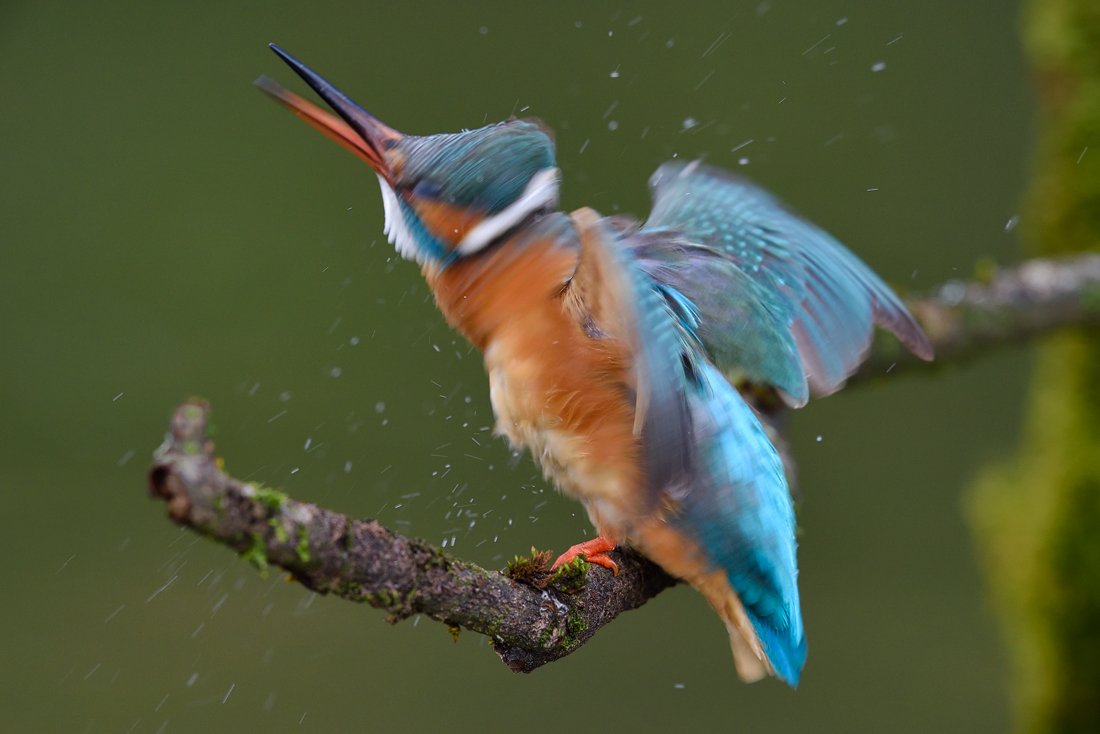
[(739, 510), (734, 501), (706, 450), (665, 366), (780, 301)]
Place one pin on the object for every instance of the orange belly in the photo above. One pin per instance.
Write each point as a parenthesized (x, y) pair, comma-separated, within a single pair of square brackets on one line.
[(555, 390)]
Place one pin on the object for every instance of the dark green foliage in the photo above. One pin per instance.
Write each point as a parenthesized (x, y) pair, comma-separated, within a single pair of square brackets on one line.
[(1072, 609), (1038, 517)]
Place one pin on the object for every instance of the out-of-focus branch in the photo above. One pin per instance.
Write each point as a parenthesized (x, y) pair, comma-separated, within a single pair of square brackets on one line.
[(967, 318), (363, 561)]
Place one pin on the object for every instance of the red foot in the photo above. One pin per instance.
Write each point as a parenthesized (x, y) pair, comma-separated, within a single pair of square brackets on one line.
[(593, 552)]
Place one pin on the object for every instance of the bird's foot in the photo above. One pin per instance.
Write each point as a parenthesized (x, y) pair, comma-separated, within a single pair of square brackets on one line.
[(593, 551)]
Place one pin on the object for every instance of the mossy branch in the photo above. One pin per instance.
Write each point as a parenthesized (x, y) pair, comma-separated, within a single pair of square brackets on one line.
[(533, 618), (530, 623)]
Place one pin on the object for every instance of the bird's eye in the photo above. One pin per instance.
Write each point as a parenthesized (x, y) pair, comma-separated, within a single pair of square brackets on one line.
[(427, 189)]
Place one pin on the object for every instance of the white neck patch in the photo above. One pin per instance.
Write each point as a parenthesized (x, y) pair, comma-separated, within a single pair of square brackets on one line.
[(396, 229), (541, 192)]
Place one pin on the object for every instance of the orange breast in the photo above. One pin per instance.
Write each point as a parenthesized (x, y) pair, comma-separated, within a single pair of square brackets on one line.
[(442, 217), (555, 389)]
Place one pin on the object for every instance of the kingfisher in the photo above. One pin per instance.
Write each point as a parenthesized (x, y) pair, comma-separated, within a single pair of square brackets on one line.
[(615, 350)]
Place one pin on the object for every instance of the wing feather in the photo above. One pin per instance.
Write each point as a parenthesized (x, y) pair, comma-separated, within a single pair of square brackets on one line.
[(781, 302), (739, 510), (625, 303)]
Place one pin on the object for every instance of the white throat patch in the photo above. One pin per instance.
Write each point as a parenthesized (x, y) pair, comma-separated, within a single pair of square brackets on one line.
[(541, 192), (396, 229)]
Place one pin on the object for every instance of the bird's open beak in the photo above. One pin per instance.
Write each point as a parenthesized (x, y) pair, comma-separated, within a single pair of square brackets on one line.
[(359, 131)]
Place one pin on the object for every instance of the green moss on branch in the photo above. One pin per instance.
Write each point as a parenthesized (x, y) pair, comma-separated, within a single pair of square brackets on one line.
[(363, 561)]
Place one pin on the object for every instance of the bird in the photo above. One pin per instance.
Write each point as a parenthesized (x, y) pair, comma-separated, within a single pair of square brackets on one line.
[(615, 350)]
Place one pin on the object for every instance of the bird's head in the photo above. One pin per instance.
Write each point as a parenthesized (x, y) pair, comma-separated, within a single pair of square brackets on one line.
[(446, 197)]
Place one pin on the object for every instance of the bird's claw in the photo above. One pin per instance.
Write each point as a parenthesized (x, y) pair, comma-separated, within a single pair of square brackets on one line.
[(593, 551)]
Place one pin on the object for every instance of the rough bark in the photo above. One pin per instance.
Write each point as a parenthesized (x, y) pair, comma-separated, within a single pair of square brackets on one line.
[(363, 561), (531, 617)]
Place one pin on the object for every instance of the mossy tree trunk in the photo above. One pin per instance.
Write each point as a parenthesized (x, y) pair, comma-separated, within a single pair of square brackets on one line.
[(1037, 517)]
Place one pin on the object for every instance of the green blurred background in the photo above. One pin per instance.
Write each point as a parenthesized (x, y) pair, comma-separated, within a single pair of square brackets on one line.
[(167, 231)]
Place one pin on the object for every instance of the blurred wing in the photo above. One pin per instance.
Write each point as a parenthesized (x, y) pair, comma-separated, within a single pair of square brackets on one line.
[(739, 510), (663, 363), (704, 446), (745, 328), (625, 303), (780, 301)]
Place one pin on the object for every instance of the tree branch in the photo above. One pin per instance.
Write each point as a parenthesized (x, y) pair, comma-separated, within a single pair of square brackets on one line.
[(531, 617), (363, 561), (964, 319)]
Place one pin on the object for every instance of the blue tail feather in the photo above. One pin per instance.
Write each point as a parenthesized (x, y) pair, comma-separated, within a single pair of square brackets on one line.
[(786, 654), (740, 512)]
